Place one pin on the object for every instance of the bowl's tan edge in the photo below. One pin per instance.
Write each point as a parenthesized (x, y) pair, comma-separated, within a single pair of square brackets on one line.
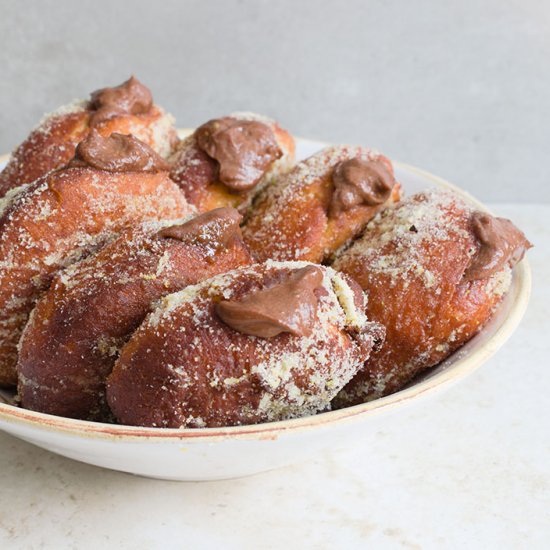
[(462, 367)]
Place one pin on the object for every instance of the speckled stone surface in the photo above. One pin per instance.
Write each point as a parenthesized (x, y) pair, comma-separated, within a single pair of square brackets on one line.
[(466, 468), (459, 88)]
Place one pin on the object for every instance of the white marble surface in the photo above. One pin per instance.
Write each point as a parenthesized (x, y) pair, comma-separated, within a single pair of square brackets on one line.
[(468, 468)]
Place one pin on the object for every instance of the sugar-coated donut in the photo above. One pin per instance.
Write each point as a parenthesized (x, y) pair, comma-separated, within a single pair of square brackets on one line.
[(261, 343), (434, 270), (320, 205), (71, 341), (212, 281), (49, 224), (226, 161), (126, 109)]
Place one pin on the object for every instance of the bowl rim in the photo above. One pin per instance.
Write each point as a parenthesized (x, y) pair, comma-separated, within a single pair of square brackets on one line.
[(10, 414)]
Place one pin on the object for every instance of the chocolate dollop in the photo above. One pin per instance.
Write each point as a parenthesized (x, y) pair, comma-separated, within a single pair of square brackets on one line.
[(359, 182), (130, 98), (289, 306), (501, 243), (117, 153), (213, 229), (244, 149)]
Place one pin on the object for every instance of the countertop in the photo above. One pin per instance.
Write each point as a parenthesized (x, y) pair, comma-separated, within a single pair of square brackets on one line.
[(466, 468)]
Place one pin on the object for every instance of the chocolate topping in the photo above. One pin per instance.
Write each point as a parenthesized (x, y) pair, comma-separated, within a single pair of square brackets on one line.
[(359, 182), (244, 149), (289, 306), (117, 153), (215, 229), (501, 243), (130, 98)]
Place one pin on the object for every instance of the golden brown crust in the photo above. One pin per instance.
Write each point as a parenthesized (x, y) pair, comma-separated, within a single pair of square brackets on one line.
[(73, 336), (49, 146), (197, 173), (184, 367), (290, 219), (411, 262), (60, 218), (52, 144)]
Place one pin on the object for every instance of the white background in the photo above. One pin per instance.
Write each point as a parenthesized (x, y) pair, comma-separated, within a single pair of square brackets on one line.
[(461, 89)]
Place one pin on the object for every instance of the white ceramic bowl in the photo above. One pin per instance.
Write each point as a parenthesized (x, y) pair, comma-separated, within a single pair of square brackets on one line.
[(220, 453)]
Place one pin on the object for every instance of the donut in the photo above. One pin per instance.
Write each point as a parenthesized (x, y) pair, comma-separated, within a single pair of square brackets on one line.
[(226, 161), (47, 225), (261, 343), (74, 333), (320, 205), (434, 269), (126, 109)]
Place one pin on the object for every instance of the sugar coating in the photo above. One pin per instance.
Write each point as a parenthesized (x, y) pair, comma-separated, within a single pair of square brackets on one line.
[(289, 190), (29, 161), (34, 203), (159, 132), (75, 106), (94, 305), (86, 272), (355, 317), (52, 143), (395, 242), (40, 234), (7, 200), (325, 360), (397, 249), (316, 166), (185, 156)]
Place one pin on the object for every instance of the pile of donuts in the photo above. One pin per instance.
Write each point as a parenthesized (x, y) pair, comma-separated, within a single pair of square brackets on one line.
[(213, 281)]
